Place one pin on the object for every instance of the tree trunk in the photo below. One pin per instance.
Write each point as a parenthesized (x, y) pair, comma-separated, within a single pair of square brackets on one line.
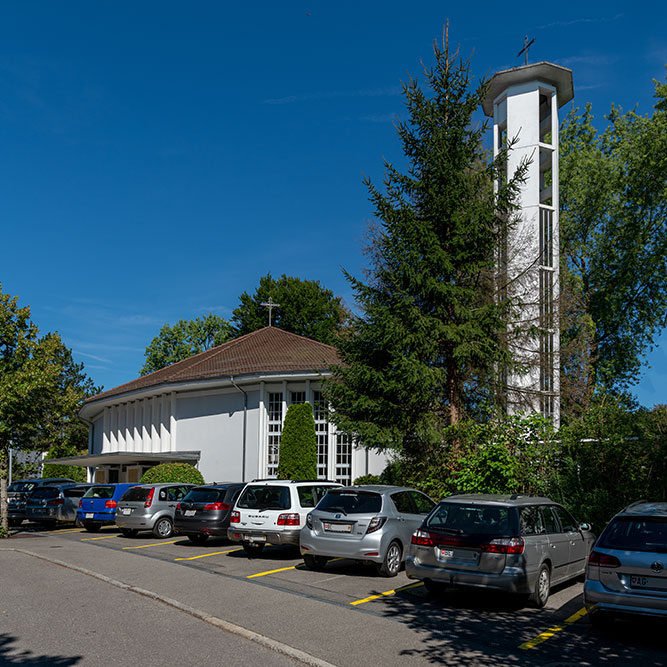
[(4, 509)]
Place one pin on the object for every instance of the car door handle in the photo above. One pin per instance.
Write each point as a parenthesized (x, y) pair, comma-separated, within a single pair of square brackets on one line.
[(553, 546)]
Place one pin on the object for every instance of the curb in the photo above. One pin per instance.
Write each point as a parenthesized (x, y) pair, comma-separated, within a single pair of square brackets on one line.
[(262, 640)]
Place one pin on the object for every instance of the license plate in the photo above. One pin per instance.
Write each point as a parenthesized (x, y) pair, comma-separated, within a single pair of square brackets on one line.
[(446, 553), (90, 516), (190, 512), (126, 510), (639, 581), (338, 527), (255, 538)]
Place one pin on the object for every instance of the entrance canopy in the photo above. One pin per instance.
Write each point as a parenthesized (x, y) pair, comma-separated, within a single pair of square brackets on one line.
[(127, 458)]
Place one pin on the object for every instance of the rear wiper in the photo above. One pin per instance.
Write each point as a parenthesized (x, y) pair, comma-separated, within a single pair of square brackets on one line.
[(453, 531)]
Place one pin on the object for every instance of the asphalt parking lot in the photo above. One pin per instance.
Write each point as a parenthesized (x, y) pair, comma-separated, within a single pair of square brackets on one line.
[(346, 614)]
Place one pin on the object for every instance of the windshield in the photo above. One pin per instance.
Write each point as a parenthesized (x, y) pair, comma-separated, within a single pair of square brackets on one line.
[(459, 519), (265, 498), (139, 493), (204, 496), (21, 487), (636, 534), (351, 502), (44, 492), (99, 492)]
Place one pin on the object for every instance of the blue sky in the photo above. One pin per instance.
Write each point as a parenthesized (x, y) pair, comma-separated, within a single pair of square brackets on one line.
[(156, 159)]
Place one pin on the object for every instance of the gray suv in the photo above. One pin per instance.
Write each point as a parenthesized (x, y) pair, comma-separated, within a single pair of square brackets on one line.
[(517, 544), (627, 569), (150, 507), (367, 523)]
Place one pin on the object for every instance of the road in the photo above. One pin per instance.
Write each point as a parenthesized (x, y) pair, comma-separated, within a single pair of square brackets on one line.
[(105, 599)]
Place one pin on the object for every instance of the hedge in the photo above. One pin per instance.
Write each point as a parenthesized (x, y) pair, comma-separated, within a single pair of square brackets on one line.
[(172, 472)]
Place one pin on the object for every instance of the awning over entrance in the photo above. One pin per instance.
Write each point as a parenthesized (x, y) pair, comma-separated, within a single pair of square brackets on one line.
[(127, 458)]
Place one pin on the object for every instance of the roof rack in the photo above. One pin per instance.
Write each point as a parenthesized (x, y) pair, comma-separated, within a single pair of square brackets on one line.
[(293, 481), (637, 502)]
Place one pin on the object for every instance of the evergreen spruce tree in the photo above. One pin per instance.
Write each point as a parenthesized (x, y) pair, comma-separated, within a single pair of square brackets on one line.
[(298, 444), (431, 335)]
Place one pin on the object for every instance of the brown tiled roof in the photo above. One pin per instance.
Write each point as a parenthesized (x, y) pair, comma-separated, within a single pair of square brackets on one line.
[(267, 350)]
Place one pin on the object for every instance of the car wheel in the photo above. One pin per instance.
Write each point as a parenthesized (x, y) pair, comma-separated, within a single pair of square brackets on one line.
[(163, 527), (199, 538), (314, 562), (542, 589), (91, 527), (49, 525), (129, 532), (391, 564), (252, 548), (15, 523), (435, 587)]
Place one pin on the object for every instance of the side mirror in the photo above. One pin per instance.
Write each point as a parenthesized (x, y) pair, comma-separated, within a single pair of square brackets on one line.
[(584, 527)]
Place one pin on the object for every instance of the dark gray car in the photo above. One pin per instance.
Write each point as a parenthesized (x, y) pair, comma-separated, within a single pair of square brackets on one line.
[(366, 523), (19, 492), (55, 504), (518, 544)]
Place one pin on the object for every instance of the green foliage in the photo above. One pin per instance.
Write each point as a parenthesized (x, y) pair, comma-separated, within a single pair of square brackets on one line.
[(77, 473), (172, 472), (298, 444), (4, 532), (368, 479), (184, 339), (431, 333), (306, 308), (613, 224)]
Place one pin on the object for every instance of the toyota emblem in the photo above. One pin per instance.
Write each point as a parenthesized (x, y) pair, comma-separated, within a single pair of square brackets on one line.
[(657, 567)]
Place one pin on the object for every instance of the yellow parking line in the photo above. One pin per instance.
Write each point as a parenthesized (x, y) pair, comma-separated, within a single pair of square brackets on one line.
[(282, 569), (386, 593), (62, 531), (547, 634), (215, 553), (155, 544), (104, 537)]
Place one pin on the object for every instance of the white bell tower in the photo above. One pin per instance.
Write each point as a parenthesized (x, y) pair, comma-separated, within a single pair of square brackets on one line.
[(524, 103)]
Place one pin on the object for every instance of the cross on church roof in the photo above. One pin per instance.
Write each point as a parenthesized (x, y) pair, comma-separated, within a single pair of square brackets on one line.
[(270, 304), (526, 46)]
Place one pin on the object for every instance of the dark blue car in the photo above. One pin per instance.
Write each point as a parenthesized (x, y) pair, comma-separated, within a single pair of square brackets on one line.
[(97, 508)]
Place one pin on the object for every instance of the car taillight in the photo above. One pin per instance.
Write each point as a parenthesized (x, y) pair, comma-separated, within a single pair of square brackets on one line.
[(422, 539), (603, 560), (309, 521), (111, 504), (149, 499), (376, 523), (505, 545), (235, 517), (289, 520), (178, 507), (57, 501), (217, 506), (80, 503)]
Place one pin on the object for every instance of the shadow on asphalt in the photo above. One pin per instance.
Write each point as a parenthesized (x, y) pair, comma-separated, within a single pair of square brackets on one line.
[(12, 656), (464, 628)]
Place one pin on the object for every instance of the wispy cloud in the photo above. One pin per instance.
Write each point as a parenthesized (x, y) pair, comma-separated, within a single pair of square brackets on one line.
[(103, 347), (588, 59), (139, 321), (331, 94), (598, 19), (383, 117), (91, 356)]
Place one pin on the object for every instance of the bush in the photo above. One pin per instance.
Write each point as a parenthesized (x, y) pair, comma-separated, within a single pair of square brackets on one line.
[(368, 479), (172, 472), (51, 470), (298, 444)]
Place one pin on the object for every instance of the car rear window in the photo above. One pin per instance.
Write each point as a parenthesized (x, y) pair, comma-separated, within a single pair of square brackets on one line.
[(470, 519), (204, 495), (636, 534), (21, 487), (265, 498), (45, 492), (99, 492), (351, 502), (76, 492), (139, 493)]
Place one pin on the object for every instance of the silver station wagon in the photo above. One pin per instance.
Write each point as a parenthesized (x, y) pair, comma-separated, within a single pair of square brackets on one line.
[(371, 523), (517, 544)]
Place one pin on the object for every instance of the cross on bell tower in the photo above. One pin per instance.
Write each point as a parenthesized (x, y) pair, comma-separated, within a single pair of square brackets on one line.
[(270, 304)]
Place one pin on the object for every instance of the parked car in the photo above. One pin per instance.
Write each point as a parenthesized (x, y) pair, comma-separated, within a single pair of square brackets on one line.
[(97, 507), (517, 544), (54, 504), (19, 491), (627, 569), (150, 507), (206, 510), (273, 511), (368, 523)]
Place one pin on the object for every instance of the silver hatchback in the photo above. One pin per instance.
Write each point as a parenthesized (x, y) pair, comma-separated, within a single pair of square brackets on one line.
[(627, 569), (366, 523), (517, 544), (150, 507)]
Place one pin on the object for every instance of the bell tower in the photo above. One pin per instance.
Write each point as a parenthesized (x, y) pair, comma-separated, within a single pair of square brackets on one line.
[(524, 103)]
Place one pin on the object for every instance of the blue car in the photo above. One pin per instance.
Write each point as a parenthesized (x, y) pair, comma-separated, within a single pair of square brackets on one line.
[(97, 508)]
